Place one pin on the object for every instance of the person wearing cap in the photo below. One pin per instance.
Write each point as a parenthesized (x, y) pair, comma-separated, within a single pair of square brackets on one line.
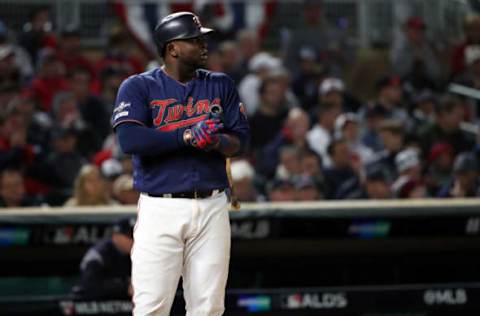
[(471, 29), (259, 67), (465, 181), (413, 58), (321, 133), (106, 266), (243, 176), (22, 59), (392, 136), (293, 133), (447, 128), (343, 170), (439, 167), (347, 127), (123, 190), (69, 50)]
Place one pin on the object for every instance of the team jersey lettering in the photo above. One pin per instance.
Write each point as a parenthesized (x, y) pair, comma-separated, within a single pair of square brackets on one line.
[(170, 112)]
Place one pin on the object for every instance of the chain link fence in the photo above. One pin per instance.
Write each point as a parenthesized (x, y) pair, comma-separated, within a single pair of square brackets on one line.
[(369, 23)]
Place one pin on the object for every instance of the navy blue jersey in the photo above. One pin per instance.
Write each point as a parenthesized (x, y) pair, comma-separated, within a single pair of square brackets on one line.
[(156, 100)]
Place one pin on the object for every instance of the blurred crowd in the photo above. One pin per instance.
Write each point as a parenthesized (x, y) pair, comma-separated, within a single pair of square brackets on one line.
[(312, 137)]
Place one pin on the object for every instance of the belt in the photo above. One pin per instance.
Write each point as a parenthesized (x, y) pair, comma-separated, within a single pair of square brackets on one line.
[(187, 195)]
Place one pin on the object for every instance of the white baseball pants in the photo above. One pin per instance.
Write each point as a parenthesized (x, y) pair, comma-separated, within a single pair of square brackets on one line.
[(177, 237)]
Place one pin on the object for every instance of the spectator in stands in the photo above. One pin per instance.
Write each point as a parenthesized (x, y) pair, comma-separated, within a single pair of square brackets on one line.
[(93, 111), (64, 162), (392, 134), (67, 115), (293, 134), (347, 127), (69, 51), (12, 190), (414, 58), (321, 133), (306, 189), (471, 28), (21, 59), (105, 267), (330, 42), (447, 128), (110, 169), (248, 44), (332, 90), (423, 109), (38, 33), (10, 73), (465, 181), (243, 176), (307, 78), (377, 184), (289, 166), (390, 97), (111, 78), (440, 164), (15, 151), (123, 190), (280, 190), (49, 80), (311, 166), (38, 123), (228, 53), (408, 164), (89, 189), (271, 114), (407, 188), (119, 54), (250, 88), (341, 171)]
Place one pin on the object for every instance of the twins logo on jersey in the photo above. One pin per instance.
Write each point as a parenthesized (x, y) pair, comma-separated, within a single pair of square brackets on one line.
[(170, 114)]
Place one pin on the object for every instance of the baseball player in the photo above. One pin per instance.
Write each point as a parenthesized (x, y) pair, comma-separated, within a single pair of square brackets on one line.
[(180, 122)]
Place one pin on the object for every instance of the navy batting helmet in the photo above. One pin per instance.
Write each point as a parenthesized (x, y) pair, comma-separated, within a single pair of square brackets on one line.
[(180, 25)]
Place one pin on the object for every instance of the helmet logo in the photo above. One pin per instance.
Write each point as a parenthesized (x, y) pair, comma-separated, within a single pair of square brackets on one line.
[(196, 20)]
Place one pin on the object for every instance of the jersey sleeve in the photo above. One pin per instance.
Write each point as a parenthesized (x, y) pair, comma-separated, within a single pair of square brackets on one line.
[(131, 104), (235, 116)]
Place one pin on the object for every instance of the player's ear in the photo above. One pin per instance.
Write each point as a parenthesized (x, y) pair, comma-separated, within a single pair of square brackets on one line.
[(172, 49)]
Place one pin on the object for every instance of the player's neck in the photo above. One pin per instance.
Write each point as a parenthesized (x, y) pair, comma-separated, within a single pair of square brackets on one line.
[(181, 74)]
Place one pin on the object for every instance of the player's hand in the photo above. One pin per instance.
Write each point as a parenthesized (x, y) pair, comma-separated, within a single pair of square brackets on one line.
[(205, 133)]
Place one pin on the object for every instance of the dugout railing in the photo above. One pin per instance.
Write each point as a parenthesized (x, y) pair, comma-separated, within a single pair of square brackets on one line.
[(323, 258)]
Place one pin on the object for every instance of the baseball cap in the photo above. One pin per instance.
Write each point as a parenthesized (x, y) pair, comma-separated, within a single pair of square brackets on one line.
[(472, 54), (124, 226), (407, 159), (343, 119), (387, 81), (263, 60), (5, 51), (415, 22), (439, 149), (465, 162), (111, 168), (242, 169), (377, 172), (122, 183), (331, 84)]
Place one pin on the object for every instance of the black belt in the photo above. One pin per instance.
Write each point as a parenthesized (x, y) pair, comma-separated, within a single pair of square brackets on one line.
[(188, 195)]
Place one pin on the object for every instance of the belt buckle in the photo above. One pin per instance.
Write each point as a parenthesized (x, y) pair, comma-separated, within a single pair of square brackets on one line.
[(195, 194)]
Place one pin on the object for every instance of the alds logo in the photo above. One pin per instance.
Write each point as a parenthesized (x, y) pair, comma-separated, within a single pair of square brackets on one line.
[(170, 114)]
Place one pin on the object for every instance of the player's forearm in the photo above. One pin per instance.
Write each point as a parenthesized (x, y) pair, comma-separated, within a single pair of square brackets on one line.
[(229, 145), (141, 140)]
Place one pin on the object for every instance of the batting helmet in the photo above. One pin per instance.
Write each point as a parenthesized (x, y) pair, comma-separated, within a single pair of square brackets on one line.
[(180, 25)]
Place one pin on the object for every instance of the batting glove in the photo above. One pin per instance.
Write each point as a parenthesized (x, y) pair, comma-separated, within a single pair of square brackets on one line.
[(204, 133)]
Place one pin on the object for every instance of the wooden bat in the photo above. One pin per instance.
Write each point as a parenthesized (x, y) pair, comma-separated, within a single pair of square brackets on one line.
[(234, 202)]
